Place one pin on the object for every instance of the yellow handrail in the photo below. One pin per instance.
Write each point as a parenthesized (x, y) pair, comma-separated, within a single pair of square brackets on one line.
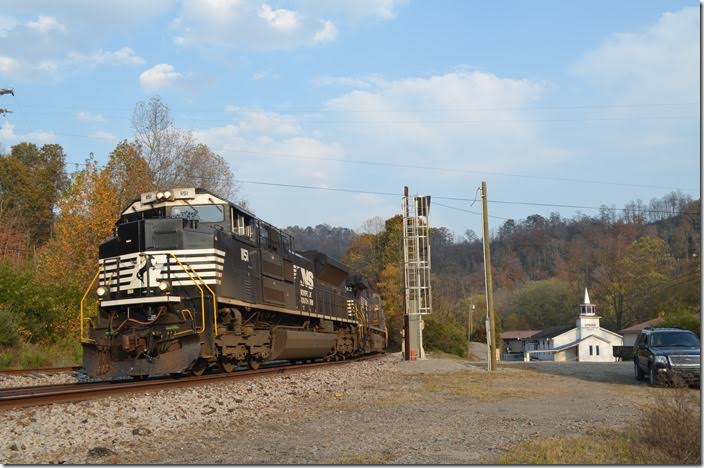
[(215, 302), (202, 294), (83, 299)]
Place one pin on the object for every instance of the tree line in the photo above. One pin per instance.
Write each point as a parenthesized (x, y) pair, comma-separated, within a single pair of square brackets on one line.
[(639, 262)]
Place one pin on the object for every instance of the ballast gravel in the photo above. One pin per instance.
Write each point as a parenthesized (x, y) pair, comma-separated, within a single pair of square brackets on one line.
[(371, 412), (39, 378)]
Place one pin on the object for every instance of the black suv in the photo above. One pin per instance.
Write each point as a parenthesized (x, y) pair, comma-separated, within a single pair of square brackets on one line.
[(667, 355)]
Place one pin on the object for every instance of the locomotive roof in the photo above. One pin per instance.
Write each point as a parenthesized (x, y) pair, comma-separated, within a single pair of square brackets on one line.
[(198, 191)]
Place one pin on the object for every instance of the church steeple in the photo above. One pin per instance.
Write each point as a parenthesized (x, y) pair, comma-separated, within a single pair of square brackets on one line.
[(587, 308)]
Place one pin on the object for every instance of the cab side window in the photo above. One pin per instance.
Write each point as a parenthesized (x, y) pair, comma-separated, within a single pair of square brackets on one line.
[(241, 224)]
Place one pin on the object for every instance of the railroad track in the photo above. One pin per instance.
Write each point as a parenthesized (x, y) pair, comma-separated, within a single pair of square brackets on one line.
[(39, 370), (16, 397)]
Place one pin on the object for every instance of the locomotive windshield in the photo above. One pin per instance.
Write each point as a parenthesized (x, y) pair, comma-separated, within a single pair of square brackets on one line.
[(202, 213)]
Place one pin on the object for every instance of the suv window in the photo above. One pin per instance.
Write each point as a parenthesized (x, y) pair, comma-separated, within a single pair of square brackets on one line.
[(666, 339)]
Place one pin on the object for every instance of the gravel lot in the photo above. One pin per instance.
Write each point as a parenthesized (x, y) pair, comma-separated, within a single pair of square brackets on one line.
[(382, 411)]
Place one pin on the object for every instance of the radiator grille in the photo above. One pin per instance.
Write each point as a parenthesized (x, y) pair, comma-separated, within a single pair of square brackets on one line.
[(685, 361)]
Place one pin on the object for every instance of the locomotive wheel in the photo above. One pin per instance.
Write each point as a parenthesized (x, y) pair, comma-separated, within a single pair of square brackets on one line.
[(227, 365), (199, 367), (254, 364)]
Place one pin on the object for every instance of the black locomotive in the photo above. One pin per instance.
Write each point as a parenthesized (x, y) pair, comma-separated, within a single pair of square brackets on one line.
[(190, 281)]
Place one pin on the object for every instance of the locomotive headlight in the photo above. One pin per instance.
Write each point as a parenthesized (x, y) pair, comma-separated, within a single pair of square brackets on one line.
[(167, 195), (101, 291), (164, 286), (160, 196)]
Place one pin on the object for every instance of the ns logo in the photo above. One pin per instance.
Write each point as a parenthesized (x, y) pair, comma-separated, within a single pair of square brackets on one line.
[(306, 278)]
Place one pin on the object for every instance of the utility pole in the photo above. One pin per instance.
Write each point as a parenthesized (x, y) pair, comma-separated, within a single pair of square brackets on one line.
[(491, 332), (469, 329)]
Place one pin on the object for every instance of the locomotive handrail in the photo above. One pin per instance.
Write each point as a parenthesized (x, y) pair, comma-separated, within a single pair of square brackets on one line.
[(83, 299), (202, 295), (215, 301)]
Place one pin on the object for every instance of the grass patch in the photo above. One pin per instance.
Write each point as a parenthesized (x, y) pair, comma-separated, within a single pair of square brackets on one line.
[(668, 433), (606, 447), (382, 458), (32, 355), (442, 355), (485, 386)]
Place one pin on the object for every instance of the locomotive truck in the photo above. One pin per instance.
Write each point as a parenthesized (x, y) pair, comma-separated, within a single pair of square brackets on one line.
[(191, 281)]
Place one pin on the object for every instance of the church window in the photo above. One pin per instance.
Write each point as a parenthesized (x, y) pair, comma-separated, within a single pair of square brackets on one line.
[(597, 350), (591, 350)]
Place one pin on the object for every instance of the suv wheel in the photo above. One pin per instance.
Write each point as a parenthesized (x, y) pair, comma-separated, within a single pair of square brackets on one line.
[(653, 377), (639, 373)]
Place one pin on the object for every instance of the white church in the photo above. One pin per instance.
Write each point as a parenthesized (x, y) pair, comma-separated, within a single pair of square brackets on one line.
[(586, 341)]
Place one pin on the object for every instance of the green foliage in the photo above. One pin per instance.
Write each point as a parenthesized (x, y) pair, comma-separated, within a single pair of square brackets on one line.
[(9, 332), (541, 304), (5, 360), (683, 319), (40, 312), (31, 181), (443, 334)]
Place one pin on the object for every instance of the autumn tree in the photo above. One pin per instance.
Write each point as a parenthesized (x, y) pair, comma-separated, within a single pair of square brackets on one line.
[(173, 157), (88, 213), (129, 173), (31, 181)]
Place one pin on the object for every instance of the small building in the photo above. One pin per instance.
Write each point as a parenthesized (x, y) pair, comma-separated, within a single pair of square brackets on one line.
[(514, 344), (585, 341), (631, 333)]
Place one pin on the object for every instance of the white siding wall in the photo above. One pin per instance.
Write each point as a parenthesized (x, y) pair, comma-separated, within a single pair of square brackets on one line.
[(629, 339)]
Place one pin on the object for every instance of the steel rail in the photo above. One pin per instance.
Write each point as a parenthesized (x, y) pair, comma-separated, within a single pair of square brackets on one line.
[(16, 397)]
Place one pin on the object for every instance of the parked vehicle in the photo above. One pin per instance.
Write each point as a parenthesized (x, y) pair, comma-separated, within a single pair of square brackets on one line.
[(667, 355)]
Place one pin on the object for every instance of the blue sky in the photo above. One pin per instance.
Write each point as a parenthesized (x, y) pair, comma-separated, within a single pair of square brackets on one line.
[(583, 90)]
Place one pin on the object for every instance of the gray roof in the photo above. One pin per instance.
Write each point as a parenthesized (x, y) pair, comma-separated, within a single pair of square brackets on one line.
[(552, 331)]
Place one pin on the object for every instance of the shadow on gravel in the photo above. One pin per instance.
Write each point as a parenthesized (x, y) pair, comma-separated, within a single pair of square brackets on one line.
[(606, 372)]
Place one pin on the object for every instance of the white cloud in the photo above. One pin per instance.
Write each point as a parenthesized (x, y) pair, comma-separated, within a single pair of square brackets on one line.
[(46, 24), (437, 118), (8, 65), (101, 135), (364, 82), (327, 33), (254, 134), (259, 26), (61, 38), (8, 136), (657, 64), (159, 77), (123, 56), (281, 19), (88, 117), (353, 10)]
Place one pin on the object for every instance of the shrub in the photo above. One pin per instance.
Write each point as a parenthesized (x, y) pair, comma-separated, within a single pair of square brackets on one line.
[(442, 334), (671, 425), (688, 320), (9, 333)]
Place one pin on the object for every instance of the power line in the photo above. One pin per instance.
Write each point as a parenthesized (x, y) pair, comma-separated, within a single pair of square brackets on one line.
[(412, 166), (398, 194), (299, 110), (304, 123), (467, 211)]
